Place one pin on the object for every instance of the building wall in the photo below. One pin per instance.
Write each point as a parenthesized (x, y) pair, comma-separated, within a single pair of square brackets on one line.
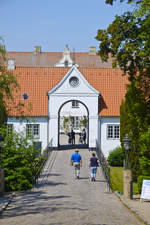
[(108, 145), (92, 105), (20, 126)]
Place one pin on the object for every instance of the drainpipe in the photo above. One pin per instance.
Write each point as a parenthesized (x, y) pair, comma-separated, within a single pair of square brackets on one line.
[(48, 122), (99, 131)]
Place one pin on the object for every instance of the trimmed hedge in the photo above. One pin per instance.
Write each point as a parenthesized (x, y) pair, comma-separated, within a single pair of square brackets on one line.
[(116, 157)]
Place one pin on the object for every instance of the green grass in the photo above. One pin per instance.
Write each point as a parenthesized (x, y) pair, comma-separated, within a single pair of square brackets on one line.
[(116, 180)]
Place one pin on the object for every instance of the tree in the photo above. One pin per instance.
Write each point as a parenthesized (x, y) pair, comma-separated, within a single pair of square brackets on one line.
[(127, 41), (133, 121), (145, 153), (7, 85), (128, 1), (18, 158)]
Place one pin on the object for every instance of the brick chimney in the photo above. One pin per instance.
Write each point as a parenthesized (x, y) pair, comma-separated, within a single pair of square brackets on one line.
[(37, 49), (92, 50)]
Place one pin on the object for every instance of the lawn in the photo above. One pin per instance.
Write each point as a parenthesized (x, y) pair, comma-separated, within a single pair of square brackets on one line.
[(116, 180)]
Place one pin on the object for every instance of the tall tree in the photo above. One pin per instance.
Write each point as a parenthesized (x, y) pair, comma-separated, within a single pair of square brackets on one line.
[(7, 85), (127, 41)]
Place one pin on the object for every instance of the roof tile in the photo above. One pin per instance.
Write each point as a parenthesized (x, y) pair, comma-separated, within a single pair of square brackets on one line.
[(36, 82)]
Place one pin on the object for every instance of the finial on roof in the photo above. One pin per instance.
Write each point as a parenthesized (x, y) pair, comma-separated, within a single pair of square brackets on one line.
[(66, 51)]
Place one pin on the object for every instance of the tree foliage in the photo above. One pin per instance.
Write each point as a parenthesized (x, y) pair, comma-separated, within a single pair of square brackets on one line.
[(145, 152), (7, 85), (127, 41), (128, 1), (18, 158), (116, 157)]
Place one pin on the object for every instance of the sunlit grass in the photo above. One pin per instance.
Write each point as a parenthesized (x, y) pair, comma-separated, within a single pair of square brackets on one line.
[(116, 180)]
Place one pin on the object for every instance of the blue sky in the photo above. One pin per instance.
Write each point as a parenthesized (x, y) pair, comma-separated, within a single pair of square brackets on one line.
[(54, 23)]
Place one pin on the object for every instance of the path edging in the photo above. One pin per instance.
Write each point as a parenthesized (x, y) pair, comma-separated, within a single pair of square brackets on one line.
[(131, 208)]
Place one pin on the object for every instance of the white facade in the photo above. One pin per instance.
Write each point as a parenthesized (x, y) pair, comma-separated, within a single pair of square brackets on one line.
[(65, 92), (19, 126), (73, 87), (108, 144)]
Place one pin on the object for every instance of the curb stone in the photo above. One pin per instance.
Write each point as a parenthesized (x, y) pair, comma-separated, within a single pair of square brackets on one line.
[(131, 208), (5, 204)]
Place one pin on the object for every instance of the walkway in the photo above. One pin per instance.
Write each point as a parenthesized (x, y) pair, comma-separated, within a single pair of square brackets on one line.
[(61, 200)]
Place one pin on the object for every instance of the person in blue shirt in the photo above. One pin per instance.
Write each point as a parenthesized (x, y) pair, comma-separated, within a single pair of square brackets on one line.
[(93, 166), (76, 161)]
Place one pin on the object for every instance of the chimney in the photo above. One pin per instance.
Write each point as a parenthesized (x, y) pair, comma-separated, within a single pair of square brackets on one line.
[(11, 64), (37, 49), (92, 50)]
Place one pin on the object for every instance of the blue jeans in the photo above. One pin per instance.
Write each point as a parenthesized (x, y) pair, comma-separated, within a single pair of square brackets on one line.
[(93, 171)]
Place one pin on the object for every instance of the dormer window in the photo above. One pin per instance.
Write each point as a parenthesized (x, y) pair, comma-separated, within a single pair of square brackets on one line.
[(11, 64), (75, 104), (66, 63)]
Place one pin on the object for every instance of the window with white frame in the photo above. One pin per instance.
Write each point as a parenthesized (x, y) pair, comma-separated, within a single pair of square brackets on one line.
[(75, 122), (113, 131), (33, 130), (75, 104), (9, 129)]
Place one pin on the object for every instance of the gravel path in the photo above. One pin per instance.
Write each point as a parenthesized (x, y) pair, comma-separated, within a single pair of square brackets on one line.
[(59, 199)]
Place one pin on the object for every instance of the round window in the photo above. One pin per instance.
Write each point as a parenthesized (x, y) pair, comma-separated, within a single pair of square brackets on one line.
[(74, 81)]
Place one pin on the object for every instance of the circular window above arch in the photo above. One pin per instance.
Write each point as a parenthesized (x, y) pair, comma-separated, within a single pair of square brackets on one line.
[(74, 81)]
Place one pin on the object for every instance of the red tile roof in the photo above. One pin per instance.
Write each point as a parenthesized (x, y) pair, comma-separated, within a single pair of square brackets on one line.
[(37, 81)]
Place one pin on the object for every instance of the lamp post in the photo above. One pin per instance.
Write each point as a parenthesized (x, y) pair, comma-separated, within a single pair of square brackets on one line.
[(128, 188), (127, 142), (1, 168)]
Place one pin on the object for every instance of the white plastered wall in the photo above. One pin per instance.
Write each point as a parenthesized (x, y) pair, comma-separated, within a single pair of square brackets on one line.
[(108, 145), (64, 93), (20, 126)]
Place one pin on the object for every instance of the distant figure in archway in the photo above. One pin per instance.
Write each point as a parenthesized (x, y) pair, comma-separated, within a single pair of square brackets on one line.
[(69, 138), (84, 136), (72, 137)]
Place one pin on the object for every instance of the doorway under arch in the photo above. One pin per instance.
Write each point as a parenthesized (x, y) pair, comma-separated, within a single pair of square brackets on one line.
[(73, 115)]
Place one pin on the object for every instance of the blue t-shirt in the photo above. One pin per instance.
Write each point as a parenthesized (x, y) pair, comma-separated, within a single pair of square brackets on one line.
[(76, 157)]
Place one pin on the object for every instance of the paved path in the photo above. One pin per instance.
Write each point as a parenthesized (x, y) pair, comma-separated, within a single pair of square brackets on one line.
[(61, 200)]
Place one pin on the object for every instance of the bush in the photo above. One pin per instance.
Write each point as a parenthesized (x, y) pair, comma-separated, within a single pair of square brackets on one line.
[(140, 181), (18, 157), (116, 157)]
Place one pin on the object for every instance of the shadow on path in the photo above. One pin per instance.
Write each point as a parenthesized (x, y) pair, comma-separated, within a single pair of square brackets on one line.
[(34, 203), (49, 183)]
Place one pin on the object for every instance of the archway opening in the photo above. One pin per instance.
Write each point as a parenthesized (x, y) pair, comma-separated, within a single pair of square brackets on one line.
[(73, 125)]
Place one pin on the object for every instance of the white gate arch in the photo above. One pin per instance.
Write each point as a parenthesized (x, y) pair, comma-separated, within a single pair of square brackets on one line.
[(64, 92), (74, 112)]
